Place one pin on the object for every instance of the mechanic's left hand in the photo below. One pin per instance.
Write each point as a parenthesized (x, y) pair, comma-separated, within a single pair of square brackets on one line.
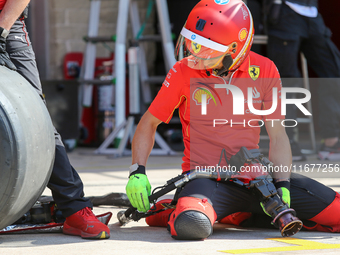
[(283, 190), (284, 193), (264, 209)]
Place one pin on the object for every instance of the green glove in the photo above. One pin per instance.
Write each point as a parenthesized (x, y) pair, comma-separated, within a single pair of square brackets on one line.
[(284, 193), (282, 188), (264, 209), (138, 190)]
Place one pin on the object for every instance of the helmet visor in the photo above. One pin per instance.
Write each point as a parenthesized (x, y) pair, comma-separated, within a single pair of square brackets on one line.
[(199, 52)]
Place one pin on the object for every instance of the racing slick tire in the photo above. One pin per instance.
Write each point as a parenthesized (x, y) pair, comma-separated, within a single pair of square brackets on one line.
[(27, 146)]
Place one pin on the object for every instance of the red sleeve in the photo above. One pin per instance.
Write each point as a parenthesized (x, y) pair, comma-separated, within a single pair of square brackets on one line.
[(273, 81), (170, 95)]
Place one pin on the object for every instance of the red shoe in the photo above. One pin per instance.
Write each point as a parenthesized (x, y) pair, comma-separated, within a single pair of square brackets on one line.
[(85, 224), (160, 219)]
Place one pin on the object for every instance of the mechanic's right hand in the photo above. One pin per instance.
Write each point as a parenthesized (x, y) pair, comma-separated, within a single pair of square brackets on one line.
[(138, 190), (4, 57)]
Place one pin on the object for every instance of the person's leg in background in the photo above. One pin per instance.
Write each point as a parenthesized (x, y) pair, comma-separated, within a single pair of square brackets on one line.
[(324, 58), (65, 183), (255, 8), (284, 42)]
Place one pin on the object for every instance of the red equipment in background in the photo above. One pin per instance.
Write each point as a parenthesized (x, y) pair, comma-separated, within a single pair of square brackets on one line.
[(90, 115)]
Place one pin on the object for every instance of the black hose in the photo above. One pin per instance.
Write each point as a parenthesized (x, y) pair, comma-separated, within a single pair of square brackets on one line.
[(152, 197)]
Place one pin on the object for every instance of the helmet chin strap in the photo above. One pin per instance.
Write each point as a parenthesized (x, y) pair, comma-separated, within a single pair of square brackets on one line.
[(226, 62)]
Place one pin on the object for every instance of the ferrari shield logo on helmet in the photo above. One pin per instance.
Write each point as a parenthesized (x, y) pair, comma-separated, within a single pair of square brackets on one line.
[(254, 72), (221, 1), (196, 47)]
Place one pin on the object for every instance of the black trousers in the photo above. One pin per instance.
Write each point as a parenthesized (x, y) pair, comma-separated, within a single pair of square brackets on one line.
[(294, 33), (308, 198), (65, 183)]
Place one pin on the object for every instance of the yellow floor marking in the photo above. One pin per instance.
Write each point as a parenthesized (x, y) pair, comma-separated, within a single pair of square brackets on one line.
[(301, 245)]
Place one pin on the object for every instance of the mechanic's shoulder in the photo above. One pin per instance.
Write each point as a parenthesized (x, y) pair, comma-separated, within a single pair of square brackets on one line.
[(260, 60), (180, 67)]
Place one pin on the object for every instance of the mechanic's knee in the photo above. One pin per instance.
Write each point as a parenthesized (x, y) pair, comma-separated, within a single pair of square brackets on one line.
[(192, 219), (191, 225)]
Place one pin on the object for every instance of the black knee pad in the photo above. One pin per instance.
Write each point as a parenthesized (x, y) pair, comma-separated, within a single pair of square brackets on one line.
[(192, 225)]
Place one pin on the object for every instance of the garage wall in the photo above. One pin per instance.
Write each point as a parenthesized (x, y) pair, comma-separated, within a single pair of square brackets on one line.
[(58, 26), (63, 27)]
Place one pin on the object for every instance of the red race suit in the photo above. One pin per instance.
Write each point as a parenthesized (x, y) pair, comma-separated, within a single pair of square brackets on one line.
[(2, 4), (205, 136)]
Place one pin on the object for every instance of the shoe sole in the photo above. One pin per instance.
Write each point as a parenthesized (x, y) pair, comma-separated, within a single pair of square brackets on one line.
[(76, 232), (102, 235), (325, 155), (299, 158)]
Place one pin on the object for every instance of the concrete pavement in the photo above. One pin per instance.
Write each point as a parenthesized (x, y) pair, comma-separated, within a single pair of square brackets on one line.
[(103, 174)]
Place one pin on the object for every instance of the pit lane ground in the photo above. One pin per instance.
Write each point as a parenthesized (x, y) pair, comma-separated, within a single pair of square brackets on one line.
[(103, 174)]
